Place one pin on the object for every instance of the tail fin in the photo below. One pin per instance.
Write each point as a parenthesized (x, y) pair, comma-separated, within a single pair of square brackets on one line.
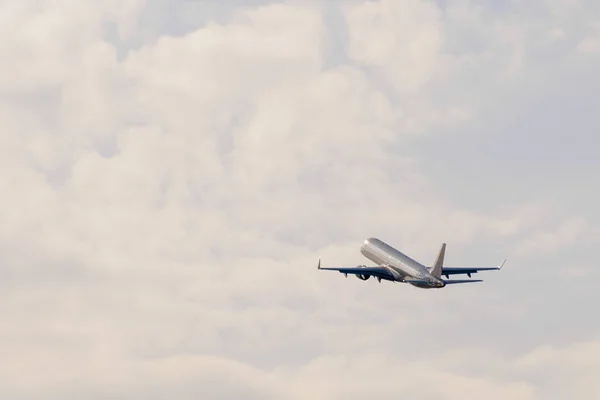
[(436, 270)]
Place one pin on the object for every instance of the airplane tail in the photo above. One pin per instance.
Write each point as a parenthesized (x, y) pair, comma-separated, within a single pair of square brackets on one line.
[(436, 270)]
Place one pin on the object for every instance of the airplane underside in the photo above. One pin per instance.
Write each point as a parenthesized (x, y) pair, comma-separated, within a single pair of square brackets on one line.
[(364, 277), (406, 279), (417, 283)]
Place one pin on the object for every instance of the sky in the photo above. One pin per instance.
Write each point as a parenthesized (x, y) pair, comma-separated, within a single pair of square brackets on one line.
[(171, 171)]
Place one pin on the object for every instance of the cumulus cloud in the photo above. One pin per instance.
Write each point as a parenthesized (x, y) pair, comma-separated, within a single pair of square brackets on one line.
[(163, 209)]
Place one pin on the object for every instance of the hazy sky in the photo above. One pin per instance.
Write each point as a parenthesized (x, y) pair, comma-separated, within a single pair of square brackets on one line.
[(172, 170)]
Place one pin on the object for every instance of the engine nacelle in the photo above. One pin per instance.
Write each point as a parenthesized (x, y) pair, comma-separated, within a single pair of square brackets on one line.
[(363, 277)]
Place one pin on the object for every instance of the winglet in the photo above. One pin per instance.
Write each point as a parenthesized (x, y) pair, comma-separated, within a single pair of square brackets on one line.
[(502, 265), (319, 264)]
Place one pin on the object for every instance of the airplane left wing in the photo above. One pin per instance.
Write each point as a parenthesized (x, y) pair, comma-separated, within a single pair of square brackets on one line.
[(378, 272), (446, 271)]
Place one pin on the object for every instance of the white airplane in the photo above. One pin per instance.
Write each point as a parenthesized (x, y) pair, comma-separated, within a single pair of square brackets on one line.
[(393, 265)]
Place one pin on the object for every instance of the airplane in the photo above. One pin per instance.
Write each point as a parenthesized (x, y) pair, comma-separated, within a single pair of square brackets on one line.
[(393, 265)]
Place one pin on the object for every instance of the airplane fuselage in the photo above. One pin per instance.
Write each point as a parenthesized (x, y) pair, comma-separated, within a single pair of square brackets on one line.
[(402, 267)]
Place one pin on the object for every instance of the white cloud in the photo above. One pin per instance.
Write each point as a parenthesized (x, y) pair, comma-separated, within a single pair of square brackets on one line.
[(568, 233), (162, 213), (401, 38), (591, 43)]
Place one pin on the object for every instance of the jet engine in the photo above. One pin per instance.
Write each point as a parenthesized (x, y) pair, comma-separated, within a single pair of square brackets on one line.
[(363, 277)]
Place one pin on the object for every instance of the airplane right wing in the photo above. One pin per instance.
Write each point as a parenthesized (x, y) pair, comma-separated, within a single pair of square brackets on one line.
[(361, 270), (446, 271)]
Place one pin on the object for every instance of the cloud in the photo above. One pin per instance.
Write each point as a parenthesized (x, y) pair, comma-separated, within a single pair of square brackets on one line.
[(569, 233), (402, 39), (163, 208)]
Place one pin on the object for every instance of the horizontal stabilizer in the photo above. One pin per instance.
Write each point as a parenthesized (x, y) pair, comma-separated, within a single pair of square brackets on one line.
[(416, 281), (462, 281)]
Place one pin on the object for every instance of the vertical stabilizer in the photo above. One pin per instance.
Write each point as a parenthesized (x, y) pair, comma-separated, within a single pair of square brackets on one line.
[(437, 267)]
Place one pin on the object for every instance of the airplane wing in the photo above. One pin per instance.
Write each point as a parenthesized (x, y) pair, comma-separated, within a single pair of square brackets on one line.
[(446, 271), (378, 272)]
